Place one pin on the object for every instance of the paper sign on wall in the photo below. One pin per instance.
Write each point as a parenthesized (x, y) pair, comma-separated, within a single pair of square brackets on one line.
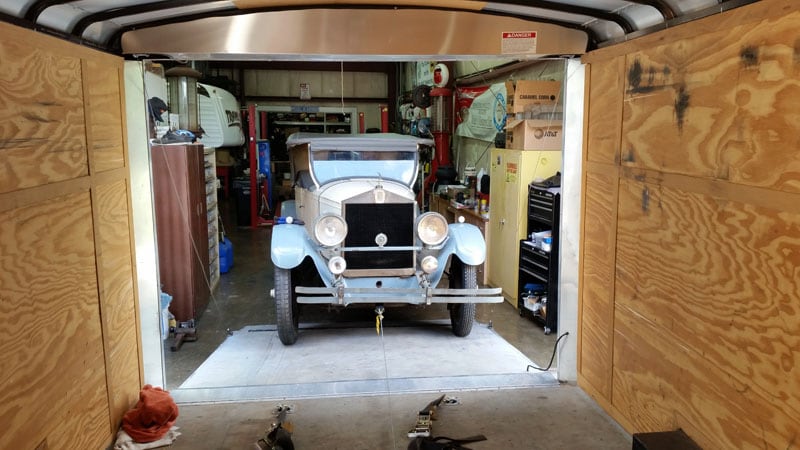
[(518, 42), (305, 91)]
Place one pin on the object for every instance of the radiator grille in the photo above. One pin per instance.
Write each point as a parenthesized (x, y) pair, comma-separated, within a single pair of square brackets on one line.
[(365, 221)]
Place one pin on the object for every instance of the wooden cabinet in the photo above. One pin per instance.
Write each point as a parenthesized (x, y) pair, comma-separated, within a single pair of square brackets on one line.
[(443, 207), (510, 173), (179, 191)]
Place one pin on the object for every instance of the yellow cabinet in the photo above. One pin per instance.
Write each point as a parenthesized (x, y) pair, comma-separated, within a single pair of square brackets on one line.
[(510, 173)]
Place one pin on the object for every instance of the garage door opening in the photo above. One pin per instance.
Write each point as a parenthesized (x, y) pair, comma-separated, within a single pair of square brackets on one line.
[(220, 323)]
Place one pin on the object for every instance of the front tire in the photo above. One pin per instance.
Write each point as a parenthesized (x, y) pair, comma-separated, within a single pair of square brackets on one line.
[(286, 310), (462, 315)]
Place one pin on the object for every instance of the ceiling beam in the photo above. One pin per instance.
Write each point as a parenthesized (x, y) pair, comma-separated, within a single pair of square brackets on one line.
[(113, 13), (660, 5), (37, 8), (624, 23)]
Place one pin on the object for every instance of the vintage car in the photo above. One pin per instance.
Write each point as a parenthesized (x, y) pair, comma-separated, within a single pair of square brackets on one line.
[(354, 234)]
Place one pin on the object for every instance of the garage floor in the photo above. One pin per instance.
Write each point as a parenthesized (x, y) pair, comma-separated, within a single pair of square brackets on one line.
[(514, 411)]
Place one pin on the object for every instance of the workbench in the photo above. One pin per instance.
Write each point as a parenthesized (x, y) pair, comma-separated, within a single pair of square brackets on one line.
[(445, 207)]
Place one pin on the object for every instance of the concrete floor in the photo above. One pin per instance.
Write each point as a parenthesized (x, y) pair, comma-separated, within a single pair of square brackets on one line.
[(541, 418), (556, 417)]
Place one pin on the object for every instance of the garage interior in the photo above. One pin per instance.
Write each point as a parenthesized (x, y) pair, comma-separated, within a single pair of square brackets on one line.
[(678, 279)]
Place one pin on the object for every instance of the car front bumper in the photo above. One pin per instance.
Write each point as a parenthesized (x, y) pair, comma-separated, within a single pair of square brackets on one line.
[(343, 296)]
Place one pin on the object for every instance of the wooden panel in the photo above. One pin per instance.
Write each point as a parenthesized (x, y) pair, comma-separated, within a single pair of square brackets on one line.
[(719, 280), (41, 114), (707, 291), (605, 111), (105, 115), (63, 359), (721, 105), (661, 384), (116, 275), (597, 297), (53, 383)]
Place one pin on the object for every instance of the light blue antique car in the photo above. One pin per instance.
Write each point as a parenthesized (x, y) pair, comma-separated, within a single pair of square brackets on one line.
[(354, 234)]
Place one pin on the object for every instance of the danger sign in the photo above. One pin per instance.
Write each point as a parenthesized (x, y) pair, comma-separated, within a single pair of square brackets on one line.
[(518, 42)]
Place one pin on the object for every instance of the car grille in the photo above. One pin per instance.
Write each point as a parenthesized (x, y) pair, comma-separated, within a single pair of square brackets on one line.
[(367, 220)]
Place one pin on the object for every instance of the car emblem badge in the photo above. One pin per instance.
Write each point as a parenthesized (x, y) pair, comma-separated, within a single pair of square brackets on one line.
[(381, 239)]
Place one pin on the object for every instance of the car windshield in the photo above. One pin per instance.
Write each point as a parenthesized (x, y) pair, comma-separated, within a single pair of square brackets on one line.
[(330, 165)]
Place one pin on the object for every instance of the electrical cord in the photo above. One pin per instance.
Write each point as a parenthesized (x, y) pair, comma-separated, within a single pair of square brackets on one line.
[(528, 369)]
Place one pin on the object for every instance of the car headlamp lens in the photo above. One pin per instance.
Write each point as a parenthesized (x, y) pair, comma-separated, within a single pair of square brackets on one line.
[(432, 228), (429, 264), (330, 230), (337, 265)]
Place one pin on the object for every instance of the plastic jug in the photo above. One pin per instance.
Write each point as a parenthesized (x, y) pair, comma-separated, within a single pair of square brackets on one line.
[(225, 255)]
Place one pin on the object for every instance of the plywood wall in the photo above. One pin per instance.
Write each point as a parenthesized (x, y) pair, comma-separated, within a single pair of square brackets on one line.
[(68, 321), (690, 300)]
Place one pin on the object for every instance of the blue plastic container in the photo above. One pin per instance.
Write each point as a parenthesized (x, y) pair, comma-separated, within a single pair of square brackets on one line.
[(166, 299), (225, 255)]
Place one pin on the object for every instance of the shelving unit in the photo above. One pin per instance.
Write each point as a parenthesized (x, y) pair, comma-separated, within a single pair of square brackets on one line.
[(313, 119), (537, 265), (212, 212)]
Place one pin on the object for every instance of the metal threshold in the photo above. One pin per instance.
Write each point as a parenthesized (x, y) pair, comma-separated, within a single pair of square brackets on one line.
[(362, 388)]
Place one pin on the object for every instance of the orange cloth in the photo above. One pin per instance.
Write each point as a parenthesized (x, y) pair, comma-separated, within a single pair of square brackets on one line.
[(153, 415)]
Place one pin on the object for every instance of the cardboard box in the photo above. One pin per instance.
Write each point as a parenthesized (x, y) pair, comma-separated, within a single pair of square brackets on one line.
[(534, 135), (527, 95)]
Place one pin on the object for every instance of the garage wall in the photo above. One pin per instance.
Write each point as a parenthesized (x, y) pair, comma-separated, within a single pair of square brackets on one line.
[(690, 290), (274, 87), (68, 329), (474, 152)]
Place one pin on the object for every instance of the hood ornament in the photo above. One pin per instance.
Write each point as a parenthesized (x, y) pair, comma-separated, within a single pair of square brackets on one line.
[(379, 192)]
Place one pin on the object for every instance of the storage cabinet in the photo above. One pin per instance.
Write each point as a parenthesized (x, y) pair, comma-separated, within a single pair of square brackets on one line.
[(179, 190), (538, 263), (511, 172)]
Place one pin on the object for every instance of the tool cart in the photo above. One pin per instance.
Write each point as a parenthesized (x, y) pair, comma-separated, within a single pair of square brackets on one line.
[(538, 258)]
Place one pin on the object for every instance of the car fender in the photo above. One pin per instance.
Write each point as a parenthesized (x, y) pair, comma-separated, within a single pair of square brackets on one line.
[(466, 242), (290, 245)]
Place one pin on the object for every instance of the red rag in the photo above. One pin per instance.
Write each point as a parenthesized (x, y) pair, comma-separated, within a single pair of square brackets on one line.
[(152, 416)]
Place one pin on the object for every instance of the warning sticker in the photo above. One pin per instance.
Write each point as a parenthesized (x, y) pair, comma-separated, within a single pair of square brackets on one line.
[(511, 172), (518, 42)]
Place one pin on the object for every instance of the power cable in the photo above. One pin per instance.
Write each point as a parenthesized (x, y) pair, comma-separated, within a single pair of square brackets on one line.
[(528, 369)]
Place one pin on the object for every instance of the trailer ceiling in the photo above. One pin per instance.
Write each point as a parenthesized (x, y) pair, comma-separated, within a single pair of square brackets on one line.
[(179, 28)]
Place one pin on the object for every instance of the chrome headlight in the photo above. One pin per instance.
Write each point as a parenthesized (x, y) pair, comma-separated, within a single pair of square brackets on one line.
[(429, 264), (431, 228), (330, 230), (337, 265)]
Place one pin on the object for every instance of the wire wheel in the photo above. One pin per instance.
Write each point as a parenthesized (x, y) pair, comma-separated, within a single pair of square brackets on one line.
[(286, 310), (462, 315)]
